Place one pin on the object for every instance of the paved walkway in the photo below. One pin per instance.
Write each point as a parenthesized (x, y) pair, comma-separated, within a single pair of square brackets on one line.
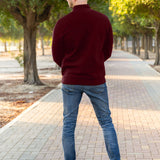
[(10, 68), (134, 98)]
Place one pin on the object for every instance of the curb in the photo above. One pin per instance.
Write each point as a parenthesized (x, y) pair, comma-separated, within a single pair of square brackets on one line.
[(8, 125)]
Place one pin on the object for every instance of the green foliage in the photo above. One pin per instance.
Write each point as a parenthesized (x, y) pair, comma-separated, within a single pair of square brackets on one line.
[(100, 5), (132, 16), (151, 9), (43, 31), (58, 11), (9, 28), (29, 5), (19, 59)]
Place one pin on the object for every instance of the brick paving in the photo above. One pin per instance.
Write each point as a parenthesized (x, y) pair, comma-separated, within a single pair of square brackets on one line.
[(134, 99)]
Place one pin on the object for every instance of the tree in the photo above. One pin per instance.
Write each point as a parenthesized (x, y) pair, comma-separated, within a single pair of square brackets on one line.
[(151, 10), (123, 23), (29, 14), (129, 16), (42, 33), (9, 29)]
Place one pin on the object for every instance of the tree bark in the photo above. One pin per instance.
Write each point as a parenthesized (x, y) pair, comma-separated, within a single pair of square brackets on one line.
[(133, 45), (122, 43), (157, 60), (115, 42), (127, 44), (143, 42), (30, 64), (150, 43), (146, 55), (5, 46), (138, 44)]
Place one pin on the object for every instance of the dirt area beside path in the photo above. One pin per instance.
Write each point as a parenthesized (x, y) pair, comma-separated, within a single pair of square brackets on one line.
[(157, 68), (15, 96), (151, 59)]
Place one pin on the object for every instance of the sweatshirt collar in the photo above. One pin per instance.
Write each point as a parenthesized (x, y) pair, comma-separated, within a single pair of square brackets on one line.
[(81, 6)]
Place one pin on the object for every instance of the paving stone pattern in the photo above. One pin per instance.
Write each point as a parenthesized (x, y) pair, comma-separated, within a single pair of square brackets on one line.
[(134, 99)]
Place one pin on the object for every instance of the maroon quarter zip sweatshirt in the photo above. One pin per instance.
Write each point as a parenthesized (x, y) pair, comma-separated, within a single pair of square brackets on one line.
[(82, 42)]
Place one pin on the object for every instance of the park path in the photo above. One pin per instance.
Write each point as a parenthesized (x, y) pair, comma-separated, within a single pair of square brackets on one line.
[(134, 98), (10, 68)]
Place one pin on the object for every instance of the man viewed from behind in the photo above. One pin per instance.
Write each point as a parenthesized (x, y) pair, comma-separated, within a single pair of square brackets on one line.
[(82, 42)]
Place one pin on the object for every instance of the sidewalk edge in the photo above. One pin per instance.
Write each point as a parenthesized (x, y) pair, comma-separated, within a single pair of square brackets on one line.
[(25, 111), (158, 73)]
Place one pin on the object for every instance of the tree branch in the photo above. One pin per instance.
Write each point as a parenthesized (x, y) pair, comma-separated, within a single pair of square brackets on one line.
[(45, 14), (149, 27), (17, 14), (13, 10)]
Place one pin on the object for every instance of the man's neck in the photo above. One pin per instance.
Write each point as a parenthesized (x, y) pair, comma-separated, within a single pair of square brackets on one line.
[(80, 3)]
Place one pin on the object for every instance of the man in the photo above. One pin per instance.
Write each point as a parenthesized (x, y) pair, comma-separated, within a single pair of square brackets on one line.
[(82, 42)]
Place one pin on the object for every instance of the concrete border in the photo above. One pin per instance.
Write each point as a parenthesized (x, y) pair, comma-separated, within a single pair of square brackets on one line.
[(27, 110)]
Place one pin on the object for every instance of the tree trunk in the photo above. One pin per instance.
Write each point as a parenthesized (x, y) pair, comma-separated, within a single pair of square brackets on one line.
[(138, 44), (115, 42), (42, 45), (143, 42), (146, 56), (5, 46), (127, 44), (133, 45), (150, 43), (30, 65), (157, 60), (122, 43)]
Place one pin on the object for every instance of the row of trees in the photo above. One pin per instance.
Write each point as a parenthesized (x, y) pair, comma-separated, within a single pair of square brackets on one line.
[(26, 17), (9, 30), (139, 19)]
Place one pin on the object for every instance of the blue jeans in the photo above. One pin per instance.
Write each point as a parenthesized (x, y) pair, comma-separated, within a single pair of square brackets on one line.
[(98, 95)]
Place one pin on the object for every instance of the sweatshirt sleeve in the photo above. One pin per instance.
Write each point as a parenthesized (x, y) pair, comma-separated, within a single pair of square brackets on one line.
[(108, 44), (57, 44)]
